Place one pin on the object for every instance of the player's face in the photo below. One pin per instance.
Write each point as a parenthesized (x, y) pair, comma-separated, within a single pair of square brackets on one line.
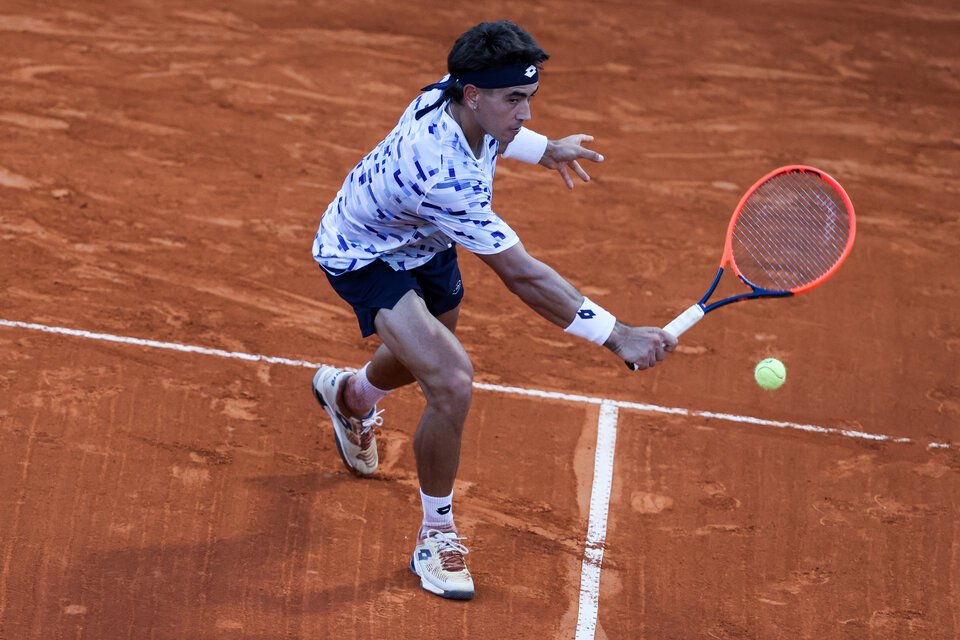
[(501, 112)]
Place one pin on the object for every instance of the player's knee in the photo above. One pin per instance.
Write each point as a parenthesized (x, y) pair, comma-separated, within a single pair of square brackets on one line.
[(451, 389)]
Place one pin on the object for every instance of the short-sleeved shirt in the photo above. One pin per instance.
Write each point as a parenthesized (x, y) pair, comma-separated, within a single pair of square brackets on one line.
[(418, 192)]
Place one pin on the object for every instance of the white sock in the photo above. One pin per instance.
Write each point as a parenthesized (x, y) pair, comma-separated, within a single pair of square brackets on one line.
[(437, 512), (365, 394)]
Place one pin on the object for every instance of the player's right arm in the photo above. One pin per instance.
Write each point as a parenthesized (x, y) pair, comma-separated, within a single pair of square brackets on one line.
[(542, 289)]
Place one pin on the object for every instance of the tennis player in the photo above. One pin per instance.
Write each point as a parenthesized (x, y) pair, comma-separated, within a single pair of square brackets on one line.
[(388, 246)]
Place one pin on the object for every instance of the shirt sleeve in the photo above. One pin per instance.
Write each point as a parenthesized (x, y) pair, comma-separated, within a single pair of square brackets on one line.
[(461, 209)]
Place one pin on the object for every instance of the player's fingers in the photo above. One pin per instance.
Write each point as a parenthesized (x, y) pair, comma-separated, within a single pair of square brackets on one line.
[(590, 154), (582, 151), (565, 175), (668, 339), (643, 361), (580, 172)]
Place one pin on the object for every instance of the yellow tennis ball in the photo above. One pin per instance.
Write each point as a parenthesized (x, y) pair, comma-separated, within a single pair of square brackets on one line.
[(770, 373)]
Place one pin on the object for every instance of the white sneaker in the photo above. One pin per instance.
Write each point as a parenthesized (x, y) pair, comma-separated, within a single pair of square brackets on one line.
[(355, 437), (438, 560)]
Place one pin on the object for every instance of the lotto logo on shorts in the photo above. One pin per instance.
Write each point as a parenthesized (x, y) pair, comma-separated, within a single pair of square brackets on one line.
[(586, 314)]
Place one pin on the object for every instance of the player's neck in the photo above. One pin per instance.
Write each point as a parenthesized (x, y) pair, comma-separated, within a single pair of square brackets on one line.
[(469, 125)]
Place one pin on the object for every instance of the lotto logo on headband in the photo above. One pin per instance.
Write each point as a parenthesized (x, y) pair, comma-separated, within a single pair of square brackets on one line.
[(530, 72)]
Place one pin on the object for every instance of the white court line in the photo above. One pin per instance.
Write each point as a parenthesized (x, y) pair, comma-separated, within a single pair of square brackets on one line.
[(552, 395), (597, 528)]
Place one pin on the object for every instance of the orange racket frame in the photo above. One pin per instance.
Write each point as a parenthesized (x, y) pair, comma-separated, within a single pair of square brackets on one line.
[(693, 314)]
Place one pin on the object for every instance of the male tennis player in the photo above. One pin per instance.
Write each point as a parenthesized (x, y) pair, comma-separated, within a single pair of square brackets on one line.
[(387, 244)]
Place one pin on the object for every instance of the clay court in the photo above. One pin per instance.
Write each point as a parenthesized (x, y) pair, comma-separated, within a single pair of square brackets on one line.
[(165, 472)]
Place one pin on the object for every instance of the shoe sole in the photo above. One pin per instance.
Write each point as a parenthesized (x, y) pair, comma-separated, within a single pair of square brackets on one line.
[(333, 417), (443, 593)]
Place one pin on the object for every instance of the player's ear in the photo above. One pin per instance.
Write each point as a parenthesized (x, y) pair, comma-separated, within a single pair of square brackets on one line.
[(471, 97)]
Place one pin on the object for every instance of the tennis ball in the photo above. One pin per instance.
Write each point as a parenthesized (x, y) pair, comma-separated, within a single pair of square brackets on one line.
[(770, 373)]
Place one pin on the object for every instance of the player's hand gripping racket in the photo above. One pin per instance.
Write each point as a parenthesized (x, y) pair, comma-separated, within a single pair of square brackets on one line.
[(791, 231)]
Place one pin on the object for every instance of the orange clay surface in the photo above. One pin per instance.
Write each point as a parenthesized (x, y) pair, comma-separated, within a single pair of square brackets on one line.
[(163, 168)]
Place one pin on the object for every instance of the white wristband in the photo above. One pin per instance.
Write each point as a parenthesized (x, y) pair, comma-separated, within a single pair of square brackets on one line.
[(592, 322), (527, 146)]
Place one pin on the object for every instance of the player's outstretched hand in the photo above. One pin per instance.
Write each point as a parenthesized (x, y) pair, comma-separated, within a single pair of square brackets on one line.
[(643, 346), (563, 155)]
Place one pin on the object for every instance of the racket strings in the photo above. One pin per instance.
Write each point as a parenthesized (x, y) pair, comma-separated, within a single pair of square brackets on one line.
[(787, 249), (782, 255), (818, 222), (792, 230), (784, 241), (818, 203)]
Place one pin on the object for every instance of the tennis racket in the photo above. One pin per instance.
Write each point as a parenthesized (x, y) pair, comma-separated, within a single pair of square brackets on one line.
[(790, 232)]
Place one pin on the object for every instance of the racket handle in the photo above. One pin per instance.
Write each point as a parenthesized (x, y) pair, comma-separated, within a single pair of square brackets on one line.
[(684, 321), (680, 324)]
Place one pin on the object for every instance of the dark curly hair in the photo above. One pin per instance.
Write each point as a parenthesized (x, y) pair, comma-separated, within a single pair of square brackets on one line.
[(491, 45)]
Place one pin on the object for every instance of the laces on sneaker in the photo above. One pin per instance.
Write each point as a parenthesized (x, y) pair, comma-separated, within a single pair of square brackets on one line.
[(367, 434), (372, 420), (449, 549)]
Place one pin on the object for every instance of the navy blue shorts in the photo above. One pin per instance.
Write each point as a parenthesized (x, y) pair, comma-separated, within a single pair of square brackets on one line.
[(377, 286)]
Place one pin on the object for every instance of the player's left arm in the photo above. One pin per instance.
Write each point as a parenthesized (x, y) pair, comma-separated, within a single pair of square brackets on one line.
[(561, 155), (564, 154)]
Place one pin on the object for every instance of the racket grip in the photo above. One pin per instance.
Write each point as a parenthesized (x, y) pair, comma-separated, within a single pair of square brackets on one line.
[(684, 321), (680, 324)]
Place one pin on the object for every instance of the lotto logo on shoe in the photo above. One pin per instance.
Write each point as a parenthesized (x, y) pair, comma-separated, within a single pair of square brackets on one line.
[(424, 554), (586, 314)]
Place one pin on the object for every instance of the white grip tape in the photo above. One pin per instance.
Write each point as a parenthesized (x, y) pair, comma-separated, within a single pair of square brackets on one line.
[(684, 321)]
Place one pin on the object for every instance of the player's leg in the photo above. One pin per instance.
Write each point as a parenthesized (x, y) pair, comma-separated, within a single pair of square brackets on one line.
[(367, 290), (350, 400), (433, 355)]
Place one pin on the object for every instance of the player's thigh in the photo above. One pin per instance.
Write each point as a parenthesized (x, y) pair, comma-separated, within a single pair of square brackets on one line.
[(423, 343), (450, 318)]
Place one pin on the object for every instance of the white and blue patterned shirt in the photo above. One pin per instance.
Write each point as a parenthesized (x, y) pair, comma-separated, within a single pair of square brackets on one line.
[(420, 190)]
